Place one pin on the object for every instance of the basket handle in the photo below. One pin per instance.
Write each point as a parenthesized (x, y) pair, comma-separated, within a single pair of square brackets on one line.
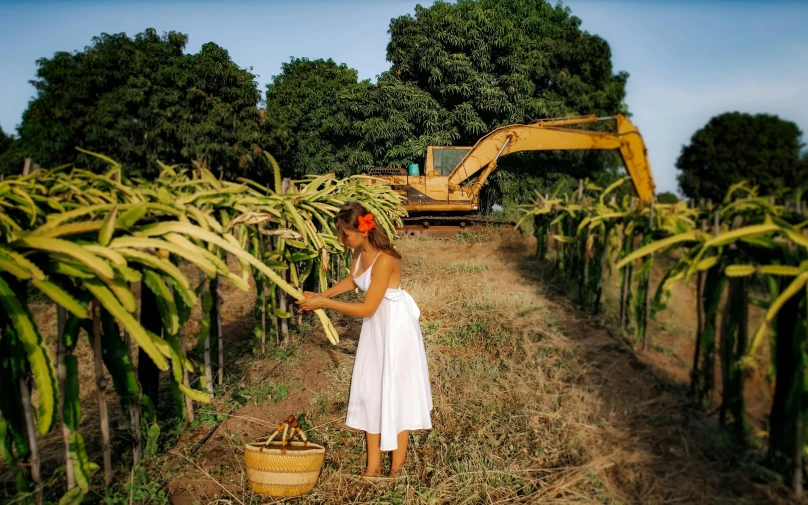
[(289, 423)]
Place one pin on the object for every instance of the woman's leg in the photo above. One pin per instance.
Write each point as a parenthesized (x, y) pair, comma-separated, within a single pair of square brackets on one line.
[(400, 454), (374, 463)]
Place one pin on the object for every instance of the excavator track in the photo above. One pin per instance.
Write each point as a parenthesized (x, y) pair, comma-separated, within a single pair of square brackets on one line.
[(448, 226)]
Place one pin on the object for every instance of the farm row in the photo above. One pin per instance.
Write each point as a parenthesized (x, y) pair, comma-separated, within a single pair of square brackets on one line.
[(746, 250), (83, 240)]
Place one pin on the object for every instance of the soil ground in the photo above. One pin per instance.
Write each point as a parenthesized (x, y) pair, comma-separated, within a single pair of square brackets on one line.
[(535, 401)]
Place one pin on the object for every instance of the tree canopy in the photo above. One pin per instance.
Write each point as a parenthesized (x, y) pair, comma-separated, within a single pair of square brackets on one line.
[(141, 99), (311, 124), (667, 197), (5, 141), (11, 155), (761, 149), (489, 63)]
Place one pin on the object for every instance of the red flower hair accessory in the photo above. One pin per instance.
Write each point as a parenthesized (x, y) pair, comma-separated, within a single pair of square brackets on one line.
[(366, 223)]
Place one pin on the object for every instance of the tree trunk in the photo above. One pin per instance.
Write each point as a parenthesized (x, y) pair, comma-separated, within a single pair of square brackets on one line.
[(101, 386), (61, 373)]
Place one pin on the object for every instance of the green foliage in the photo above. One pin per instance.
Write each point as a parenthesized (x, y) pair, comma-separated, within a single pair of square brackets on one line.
[(315, 132), (139, 487), (5, 142), (732, 147), (667, 197), (397, 120), (141, 99), (489, 63)]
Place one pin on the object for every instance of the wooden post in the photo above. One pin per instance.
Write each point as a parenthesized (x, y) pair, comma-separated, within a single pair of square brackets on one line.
[(206, 351), (26, 168), (286, 184), (299, 316), (28, 412), (646, 305), (134, 409), (604, 266), (283, 306), (219, 332), (580, 190), (699, 320), (189, 405), (796, 478), (61, 374), (263, 295), (738, 409), (101, 386), (134, 406), (147, 372)]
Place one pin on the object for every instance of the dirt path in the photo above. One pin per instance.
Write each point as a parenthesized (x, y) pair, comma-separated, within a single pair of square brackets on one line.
[(534, 402)]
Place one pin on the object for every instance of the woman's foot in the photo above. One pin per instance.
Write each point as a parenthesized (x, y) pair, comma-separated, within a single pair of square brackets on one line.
[(396, 472)]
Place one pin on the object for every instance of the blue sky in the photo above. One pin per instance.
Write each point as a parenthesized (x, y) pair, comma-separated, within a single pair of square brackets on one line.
[(687, 60)]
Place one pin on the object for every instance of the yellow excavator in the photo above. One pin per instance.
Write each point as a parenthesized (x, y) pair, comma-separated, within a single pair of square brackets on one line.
[(445, 198)]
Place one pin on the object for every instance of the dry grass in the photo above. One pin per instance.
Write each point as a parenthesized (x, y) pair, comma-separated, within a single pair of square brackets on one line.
[(534, 403)]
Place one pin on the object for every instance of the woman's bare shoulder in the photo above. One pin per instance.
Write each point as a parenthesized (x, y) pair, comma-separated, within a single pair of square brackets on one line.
[(388, 259)]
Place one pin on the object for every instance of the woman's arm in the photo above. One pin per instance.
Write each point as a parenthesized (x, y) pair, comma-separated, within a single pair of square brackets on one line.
[(345, 285), (380, 279)]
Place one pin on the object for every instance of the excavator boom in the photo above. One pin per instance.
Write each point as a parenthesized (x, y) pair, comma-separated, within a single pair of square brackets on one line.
[(550, 135)]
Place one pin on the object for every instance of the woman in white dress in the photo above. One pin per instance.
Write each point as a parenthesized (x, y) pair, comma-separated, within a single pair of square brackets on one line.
[(390, 392)]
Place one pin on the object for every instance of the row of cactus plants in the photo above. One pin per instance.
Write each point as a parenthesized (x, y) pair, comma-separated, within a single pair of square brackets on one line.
[(747, 250), (84, 239)]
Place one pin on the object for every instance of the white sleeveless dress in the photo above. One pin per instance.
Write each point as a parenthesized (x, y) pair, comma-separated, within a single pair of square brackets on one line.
[(390, 389)]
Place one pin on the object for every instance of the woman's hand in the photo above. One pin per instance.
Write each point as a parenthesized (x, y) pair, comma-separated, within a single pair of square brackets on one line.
[(313, 301)]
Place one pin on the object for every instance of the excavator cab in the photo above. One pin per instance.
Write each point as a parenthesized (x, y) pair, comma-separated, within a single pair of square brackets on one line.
[(429, 190), (443, 160)]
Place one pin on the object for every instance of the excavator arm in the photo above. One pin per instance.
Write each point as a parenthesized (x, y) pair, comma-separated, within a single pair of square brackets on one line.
[(551, 135)]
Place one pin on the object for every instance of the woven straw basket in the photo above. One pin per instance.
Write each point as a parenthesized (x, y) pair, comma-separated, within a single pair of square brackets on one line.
[(284, 468)]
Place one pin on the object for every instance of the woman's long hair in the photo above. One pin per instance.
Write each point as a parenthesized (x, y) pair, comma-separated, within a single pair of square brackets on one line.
[(348, 219)]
